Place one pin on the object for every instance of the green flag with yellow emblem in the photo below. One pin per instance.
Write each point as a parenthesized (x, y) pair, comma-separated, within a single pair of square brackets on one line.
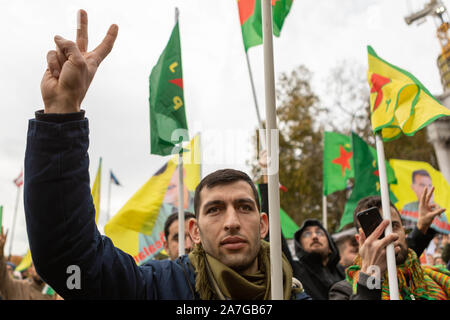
[(167, 109)]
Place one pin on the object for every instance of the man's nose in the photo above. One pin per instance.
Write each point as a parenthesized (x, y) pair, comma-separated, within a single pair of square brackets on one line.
[(232, 219)]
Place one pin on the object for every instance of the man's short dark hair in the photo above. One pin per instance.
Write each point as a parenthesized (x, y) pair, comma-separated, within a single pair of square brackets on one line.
[(344, 239), (173, 217), (369, 202), (420, 173), (221, 177)]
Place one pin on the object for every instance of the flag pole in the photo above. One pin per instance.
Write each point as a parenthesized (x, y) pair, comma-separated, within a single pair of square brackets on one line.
[(109, 198), (258, 115), (276, 280), (181, 250), (14, 221), (324, 212), (390, 253)]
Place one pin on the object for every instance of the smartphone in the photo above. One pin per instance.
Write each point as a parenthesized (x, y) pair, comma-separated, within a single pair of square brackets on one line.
[(369, 220)]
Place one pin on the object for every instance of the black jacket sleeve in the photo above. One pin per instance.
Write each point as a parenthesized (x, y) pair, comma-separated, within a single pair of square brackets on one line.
[(64, 240), (418, 241), (265, 208), (342, 290)]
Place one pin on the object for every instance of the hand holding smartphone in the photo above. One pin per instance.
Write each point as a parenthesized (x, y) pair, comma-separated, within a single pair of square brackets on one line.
[(369, 220)]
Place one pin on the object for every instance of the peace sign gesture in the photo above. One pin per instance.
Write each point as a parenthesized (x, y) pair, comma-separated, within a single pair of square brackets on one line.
[(427, 210), (71, 68)]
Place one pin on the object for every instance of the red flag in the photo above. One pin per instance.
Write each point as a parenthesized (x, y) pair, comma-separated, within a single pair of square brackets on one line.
[(19, 180)]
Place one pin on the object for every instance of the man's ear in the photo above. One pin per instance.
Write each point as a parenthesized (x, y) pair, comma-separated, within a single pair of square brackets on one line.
[(166, 247), (264, 224), (194, 231)]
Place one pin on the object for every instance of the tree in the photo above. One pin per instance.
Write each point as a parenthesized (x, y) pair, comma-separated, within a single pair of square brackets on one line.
[(300, 142)]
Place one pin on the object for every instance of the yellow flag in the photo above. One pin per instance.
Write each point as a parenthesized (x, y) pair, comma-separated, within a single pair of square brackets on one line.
[(412, 178), (25, 263), (138, 227), (398, 101), (96, 191)]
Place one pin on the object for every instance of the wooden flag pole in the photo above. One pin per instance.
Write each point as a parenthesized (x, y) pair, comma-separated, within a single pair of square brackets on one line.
[(390, 253), (276, 280), (324, 212)]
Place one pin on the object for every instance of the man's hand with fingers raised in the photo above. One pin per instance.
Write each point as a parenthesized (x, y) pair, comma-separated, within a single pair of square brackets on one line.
[(71, 68), (427, 210), (373, 250)]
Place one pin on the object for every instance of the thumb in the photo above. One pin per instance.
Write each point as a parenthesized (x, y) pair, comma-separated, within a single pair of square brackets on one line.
[(69, 49), (437, 212)]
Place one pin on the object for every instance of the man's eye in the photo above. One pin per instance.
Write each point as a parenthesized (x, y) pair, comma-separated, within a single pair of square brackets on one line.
[(245, 207), (212, 210)]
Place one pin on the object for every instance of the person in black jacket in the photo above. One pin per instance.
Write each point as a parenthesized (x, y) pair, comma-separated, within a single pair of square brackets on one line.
[(317, 267)]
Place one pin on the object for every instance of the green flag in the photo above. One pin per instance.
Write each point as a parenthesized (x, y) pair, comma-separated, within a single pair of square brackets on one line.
[(167, 109), (288, 226), (367, 182), (250, 17), (337, 162), (1, 215)]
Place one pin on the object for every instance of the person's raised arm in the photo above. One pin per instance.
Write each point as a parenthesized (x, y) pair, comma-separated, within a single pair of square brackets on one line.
[(67, 249), (420, 237)]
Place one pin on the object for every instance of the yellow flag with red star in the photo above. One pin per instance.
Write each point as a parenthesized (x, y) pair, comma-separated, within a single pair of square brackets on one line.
[(399, 103)]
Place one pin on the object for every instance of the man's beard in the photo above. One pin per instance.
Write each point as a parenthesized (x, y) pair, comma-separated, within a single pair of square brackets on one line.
[(401, 256)]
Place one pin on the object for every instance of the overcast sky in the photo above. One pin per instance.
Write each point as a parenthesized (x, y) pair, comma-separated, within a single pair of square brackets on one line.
[(317, 33)]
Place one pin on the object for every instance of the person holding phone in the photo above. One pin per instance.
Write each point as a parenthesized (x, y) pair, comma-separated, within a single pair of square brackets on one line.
[(367, 277)]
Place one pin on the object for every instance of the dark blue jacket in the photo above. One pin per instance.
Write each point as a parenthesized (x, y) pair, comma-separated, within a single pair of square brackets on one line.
[(62, 231)]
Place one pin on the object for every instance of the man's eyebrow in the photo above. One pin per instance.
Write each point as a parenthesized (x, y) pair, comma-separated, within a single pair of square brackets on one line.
[(245, 200), (213, 202)]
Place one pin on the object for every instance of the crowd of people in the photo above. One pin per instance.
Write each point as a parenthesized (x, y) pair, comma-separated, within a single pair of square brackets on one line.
[(226, 237)]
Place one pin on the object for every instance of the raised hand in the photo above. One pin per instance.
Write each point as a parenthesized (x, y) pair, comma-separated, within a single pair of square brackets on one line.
[(263, 164), (373, 250), (427, 210), (71, 68), (3, 237)]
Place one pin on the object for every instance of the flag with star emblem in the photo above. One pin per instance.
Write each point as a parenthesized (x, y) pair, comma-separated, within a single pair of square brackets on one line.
[(337, 162), (251, 19), (167, 109), (366, 177), (399, 103)]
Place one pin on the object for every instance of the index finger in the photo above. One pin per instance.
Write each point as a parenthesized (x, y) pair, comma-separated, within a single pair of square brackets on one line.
[(423, 196), (429, 195), (105, 47), (378, 231), (82, 30)]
